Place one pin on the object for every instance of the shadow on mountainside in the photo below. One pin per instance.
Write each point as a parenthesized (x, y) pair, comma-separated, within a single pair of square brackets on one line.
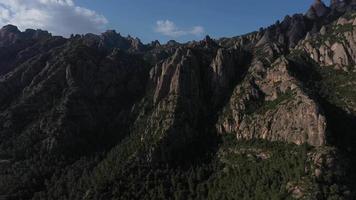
[(195, 141), (341, 124)]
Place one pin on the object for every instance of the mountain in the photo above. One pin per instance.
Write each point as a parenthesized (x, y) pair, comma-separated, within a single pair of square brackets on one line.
[(317, 10), (266, 115)]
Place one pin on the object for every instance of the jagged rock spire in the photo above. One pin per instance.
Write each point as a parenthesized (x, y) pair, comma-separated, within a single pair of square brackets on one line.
[(318, 9), (209, 42)]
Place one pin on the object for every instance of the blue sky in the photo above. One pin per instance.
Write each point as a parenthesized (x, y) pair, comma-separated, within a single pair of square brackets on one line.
[(181, 20), (218, 18)]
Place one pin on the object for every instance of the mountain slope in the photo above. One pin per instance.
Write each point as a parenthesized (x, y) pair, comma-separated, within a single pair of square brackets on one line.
[(267, 115)]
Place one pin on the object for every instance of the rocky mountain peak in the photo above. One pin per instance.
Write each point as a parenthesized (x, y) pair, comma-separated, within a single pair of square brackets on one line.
[(36, 34), (155, 43), (9, 34), (110, 33), (207, 38), (172, 43), (9, 31), (10, 28), (111, 39), (208, 42), (318, 9), (135, 43)]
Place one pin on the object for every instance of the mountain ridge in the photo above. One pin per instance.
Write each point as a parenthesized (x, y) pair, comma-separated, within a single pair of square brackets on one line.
[(107, 117)]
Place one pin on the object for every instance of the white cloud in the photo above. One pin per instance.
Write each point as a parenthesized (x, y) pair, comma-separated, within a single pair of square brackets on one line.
[(60, 17), (168, 28)]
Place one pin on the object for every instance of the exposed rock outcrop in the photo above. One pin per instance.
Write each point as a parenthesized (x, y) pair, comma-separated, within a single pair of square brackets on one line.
[(334, 45), (318, 9), (128, 107), (274, 108)]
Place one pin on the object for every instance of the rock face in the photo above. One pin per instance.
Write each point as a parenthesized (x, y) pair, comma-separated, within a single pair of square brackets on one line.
[(274, 108), (188, 90), (288, 32), (115, 101), (318, 9), (337, 46), (78, 99), (16, 46)]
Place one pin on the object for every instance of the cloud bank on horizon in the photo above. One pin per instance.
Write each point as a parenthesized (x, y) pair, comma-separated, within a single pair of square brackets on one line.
[(60, 17), (169, 28)]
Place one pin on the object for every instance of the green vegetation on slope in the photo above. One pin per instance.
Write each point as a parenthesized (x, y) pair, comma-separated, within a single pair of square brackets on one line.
[(243, 170), (335, 86)]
